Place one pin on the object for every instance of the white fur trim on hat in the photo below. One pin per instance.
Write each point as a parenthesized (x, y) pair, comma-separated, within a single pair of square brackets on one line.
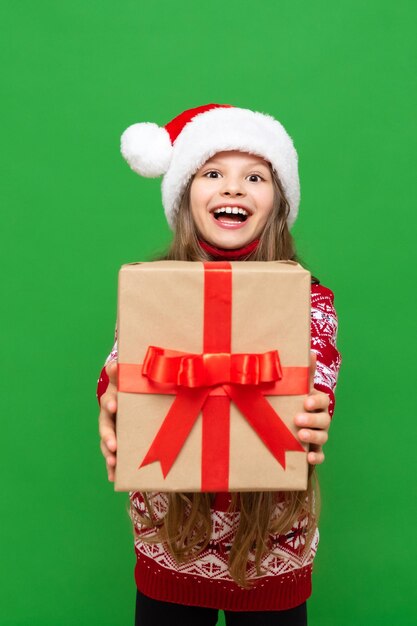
[(232, 128), (147, 148)]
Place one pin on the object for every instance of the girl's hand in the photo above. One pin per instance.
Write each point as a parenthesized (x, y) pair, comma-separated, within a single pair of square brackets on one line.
[(107, 420), (315, 422)]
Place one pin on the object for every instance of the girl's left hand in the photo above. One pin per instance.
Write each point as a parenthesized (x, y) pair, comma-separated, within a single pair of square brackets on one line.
[(315, 422)]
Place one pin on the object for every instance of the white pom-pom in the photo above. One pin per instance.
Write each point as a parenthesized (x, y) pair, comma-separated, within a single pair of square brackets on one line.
[(147, 148)]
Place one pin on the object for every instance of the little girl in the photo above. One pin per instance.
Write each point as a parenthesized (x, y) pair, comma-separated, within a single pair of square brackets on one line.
[(230, 191)]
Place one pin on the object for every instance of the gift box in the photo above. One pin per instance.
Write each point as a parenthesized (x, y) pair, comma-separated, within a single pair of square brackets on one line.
[(213, 365)]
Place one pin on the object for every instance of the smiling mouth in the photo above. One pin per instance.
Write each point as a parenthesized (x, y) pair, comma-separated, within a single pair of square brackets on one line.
[(231, 215)]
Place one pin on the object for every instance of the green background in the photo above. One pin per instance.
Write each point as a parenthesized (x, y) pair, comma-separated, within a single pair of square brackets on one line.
[(341, 78)]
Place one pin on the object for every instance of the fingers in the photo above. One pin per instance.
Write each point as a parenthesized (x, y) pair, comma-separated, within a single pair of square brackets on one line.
[(111, 470), (315, 457), (320, 420), (108, 402), (313, 427), (110, 460), (107, 430), (317, 401), (317, 437), (111, 371), (315, 422), (108, 435), (111, 473), (108, 443), (107, 420), (108, 454)]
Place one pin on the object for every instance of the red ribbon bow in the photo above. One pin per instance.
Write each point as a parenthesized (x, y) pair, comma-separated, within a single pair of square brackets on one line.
[(197, 378), (208, 369)]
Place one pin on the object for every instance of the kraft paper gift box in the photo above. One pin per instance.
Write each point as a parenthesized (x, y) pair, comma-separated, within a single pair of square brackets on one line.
[(213, 365)]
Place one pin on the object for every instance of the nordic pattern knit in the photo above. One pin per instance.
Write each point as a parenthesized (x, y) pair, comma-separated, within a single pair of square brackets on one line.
[(205, 580)]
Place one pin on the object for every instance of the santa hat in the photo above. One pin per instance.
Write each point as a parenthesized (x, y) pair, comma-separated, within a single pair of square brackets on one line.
[(182, 146)]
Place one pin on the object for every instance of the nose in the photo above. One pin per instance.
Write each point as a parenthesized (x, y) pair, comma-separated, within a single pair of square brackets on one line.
[(232, 187)]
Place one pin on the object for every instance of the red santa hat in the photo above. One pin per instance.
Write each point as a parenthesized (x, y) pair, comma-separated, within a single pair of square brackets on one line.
[(178, 149)]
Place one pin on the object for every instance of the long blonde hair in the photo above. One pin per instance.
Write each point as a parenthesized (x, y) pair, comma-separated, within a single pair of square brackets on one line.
[(186, 527)]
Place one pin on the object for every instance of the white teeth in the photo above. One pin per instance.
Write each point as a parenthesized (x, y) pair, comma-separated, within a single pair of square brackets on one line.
[(228, 209)]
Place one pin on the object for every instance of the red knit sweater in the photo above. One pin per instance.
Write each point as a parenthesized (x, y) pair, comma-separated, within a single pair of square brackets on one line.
[(205, 581)]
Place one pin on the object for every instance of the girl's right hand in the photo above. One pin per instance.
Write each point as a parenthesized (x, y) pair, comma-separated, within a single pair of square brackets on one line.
[(107, 420)]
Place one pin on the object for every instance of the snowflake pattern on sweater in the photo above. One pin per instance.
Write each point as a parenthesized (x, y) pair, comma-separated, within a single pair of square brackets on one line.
[(288, 550)]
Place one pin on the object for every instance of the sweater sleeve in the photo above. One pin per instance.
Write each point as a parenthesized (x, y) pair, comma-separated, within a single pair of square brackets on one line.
[(103, 381), (324, 324)]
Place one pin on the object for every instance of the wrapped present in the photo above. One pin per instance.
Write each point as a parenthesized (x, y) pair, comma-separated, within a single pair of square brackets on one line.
[(213, 365)]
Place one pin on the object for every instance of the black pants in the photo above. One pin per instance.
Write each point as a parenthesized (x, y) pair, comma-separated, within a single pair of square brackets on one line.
[(157, 613)]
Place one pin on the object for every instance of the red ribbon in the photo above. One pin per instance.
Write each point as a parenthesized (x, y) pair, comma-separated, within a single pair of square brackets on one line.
[(206, 370), (207, 382)]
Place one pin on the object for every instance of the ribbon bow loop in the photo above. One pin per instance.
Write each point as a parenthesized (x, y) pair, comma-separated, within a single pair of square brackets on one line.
[(210, 369)]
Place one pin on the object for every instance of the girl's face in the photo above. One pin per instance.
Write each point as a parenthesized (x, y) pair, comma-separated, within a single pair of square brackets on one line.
[(231, 198)]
